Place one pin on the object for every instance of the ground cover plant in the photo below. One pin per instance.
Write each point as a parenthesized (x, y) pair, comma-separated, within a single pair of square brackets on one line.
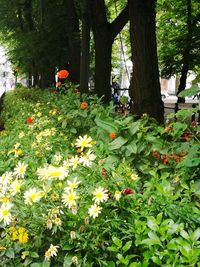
[(81, 185)]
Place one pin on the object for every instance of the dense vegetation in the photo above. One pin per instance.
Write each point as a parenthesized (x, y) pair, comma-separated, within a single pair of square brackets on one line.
[(81, 185)]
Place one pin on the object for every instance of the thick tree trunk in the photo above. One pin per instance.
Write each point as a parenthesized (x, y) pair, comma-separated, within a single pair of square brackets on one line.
[(73, 45), (85, 47), (145, 86), (104, 35), (103, 50)]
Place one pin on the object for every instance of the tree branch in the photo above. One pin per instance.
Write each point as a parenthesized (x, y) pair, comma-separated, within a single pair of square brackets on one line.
[(117, 25)]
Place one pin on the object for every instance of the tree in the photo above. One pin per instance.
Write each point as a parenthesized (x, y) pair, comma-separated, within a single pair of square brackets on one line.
[(104, 35), (178, 38), (145, 86), (73, 41)]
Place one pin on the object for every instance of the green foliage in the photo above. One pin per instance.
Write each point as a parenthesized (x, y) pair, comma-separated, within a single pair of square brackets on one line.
[(147, 174)]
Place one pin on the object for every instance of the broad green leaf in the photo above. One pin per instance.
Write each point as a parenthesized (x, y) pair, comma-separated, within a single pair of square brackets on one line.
[(110, 264), (106, 125), (134, 127), (190, 92), (127, 246), (184, 234), (132, 147), (117, 143), (152, 225), (195, 235), (117, 242)]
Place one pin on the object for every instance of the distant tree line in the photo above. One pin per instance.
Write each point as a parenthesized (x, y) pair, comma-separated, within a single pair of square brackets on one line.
[(40, 35)]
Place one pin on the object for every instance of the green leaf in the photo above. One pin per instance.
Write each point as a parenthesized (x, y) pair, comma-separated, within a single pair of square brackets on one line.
[(127, 246), (110, 264), (179, 128), (10, 253), (190, 92), (132, 147), (36, 264), (192, 162), (117, 242), (152, 225), (67, 260), (134, 127), (184, 234), (106, 125), (117, 143), (152, 240), (195, 235)]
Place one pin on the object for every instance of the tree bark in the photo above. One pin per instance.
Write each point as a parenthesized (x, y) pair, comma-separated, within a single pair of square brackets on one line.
[(186, 54), (85, 48), (104, 35), (145, 86), (73, 45)]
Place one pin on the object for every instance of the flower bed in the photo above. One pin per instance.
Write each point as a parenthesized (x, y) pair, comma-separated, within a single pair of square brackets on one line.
[(83, 186)]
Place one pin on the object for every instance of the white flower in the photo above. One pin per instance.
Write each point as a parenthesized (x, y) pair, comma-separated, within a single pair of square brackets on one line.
[(69, 199), (57, 172), (94, 211), (5, 214), (73, 162), (20, 169), (83, 142), (117, 195), (87, 159), (52, 251), (15, 187), (100, 195), (21, 135), (32, 195), (72, 184)]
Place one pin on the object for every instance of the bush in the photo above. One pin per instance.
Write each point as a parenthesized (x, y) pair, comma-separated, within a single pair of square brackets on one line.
[(88, 187)]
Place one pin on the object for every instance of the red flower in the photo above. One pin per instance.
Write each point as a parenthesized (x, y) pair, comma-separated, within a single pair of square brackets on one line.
[(63, 74), (58, 84), (103, 172), (128, 191), (29, 120), (112, 136), (55, 92)]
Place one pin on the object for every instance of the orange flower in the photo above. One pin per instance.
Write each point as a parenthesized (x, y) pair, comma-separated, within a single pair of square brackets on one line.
[(112, 136), (84, 105), (29, 120), (63, 74)]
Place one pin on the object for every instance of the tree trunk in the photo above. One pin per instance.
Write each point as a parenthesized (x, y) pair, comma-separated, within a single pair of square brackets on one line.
[(104, 35), (73, 45), (145, 86), (186, 55), (85, 48)]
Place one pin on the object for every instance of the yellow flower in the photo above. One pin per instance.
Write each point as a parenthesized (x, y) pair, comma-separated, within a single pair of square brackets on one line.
[(23, 237), (100, 195), (83, 142)]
